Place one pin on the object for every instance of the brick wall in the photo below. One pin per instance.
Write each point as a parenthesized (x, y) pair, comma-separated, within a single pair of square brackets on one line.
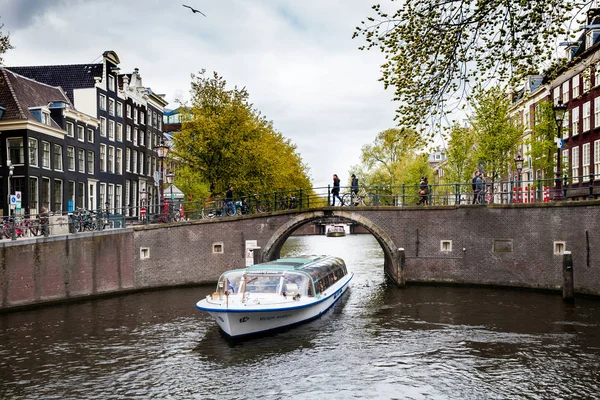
[(494, 245)]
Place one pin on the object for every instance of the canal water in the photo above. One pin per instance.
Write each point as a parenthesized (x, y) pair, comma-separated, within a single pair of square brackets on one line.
[(378, 342)]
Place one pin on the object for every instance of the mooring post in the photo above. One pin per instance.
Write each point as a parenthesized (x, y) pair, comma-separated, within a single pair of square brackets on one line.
[(568, 289), (400, 270)]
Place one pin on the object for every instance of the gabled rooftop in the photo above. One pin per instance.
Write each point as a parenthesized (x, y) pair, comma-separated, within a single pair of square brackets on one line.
[(19, 95), (69, 77)]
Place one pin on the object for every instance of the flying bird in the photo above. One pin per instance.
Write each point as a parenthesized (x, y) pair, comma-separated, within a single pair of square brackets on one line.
[(194, 10)]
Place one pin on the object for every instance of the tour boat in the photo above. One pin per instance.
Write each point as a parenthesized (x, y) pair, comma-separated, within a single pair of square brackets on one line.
[(336, 231), (276, 294)]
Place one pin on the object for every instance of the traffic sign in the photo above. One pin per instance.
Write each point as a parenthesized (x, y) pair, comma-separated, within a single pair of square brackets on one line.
[(143, 211), (18, 203)]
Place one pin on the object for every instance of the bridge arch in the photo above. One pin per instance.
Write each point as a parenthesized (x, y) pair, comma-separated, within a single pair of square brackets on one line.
[(392, 255)]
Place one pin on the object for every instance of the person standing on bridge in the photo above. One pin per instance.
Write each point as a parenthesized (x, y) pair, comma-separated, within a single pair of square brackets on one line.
[(229, 201), (336, 190), (354, 189)]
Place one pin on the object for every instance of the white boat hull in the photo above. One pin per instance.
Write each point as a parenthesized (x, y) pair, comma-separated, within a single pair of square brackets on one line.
[(250, 318)]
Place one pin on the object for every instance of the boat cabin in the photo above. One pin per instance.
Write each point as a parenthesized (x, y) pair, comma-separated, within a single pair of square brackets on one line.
[(295, 277)]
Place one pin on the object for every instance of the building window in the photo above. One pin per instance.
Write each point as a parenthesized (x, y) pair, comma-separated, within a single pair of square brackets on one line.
[(128, 111), (575, 164), (154, 117), (135, 136), (142, 118), (127, 159), (119, 109), (118, 194), (446, 246), (33, 195), (597, 112), (218, 247), (90, 162), (102, 197), (111, 107), (128, 133), (90, 137), (142, 138), (81, 160), (576, 86), (80, 133), (33, 152), (135, 115), (102, 158), (102, 102), (111, 130), (58, 195), (110, 199), (134, 160), (559, 248), (585, 162), (119, 162), (111, 83), (71, 158), (70, 131), (575, 121), (46, 120), (597, 157), (556, 95), (119, 132), (127, 202), (102, 126), (45, 155), (111, 160), (80, 194), (565, 92), (587, 79), (141, 163), (586, 116), (46, 193), (16, 151), (58, 162), (148, 165)]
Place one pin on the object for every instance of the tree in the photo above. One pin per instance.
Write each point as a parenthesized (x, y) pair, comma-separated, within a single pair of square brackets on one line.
[(4, 44), (541, 142), (224, 141), (460, 155), (434, 50), (496, 134)]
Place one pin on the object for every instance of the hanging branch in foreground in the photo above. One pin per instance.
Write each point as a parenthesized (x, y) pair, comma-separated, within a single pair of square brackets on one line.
[(436, 49)]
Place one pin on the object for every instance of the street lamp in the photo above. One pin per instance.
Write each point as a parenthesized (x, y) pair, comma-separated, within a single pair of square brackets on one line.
[(162, 150), (560, 110), (11, 169), (170, 179), (519, 164)]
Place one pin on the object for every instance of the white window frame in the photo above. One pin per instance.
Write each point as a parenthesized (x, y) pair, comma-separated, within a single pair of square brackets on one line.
[(33, 152), (57, 154), (597, 157), (575, 121), (90, 135), (127, 159), (71, 158), (111, 107), (46, 154), (111, 130), (102, 102), (119, 132), (565, 92), (81, 160), (90, 162), (103, 126), (119, 109), (586, 116), (70, 130), (80, 133), (102, 157), (110, 159), (111, 83), (119, 161), (128, 133), (585, 162), (575, 164), (575, 81)]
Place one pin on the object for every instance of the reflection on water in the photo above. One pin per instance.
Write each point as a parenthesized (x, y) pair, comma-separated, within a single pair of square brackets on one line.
[(377, 342)]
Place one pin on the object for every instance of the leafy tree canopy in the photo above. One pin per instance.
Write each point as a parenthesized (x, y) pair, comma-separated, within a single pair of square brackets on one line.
[(460, 155), (4, 44), (436, 49), (225, 141)]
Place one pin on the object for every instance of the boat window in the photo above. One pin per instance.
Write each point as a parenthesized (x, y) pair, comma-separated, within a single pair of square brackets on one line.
[(262, 284), (294, 282)]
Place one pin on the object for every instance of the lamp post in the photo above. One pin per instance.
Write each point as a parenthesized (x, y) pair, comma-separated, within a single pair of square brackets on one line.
[(11, 169), (170, 179), (519, 165), (162, 150), (560, 111)]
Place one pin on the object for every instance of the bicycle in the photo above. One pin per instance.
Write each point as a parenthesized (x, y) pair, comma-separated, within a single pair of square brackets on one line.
[(260, 205), (357, 199)]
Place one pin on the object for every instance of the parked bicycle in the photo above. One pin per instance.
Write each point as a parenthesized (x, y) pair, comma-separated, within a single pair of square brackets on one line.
[(261, 205), (357, 199)]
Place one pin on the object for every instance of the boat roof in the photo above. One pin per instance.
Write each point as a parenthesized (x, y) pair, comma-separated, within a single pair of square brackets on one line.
[(287, 264)]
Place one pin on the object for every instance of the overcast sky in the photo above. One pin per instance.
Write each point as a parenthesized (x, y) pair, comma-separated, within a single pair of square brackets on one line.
[(296, 58)]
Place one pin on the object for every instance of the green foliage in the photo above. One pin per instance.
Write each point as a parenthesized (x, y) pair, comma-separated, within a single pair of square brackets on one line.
[(435, 50), (460, 155), (497, 135), (4, 44), (225, 141), (541, 141)]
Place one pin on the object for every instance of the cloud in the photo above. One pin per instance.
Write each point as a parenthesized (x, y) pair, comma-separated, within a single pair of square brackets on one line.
[(297, 60)]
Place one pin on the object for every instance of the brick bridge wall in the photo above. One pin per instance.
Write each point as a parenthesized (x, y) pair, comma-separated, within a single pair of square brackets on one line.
[(494, 245)]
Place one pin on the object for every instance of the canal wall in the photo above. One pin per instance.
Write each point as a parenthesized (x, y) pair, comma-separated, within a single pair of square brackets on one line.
[(515, 246)]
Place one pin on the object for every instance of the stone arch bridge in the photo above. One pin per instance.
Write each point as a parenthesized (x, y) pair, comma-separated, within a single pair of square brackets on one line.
[(505, 245)]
